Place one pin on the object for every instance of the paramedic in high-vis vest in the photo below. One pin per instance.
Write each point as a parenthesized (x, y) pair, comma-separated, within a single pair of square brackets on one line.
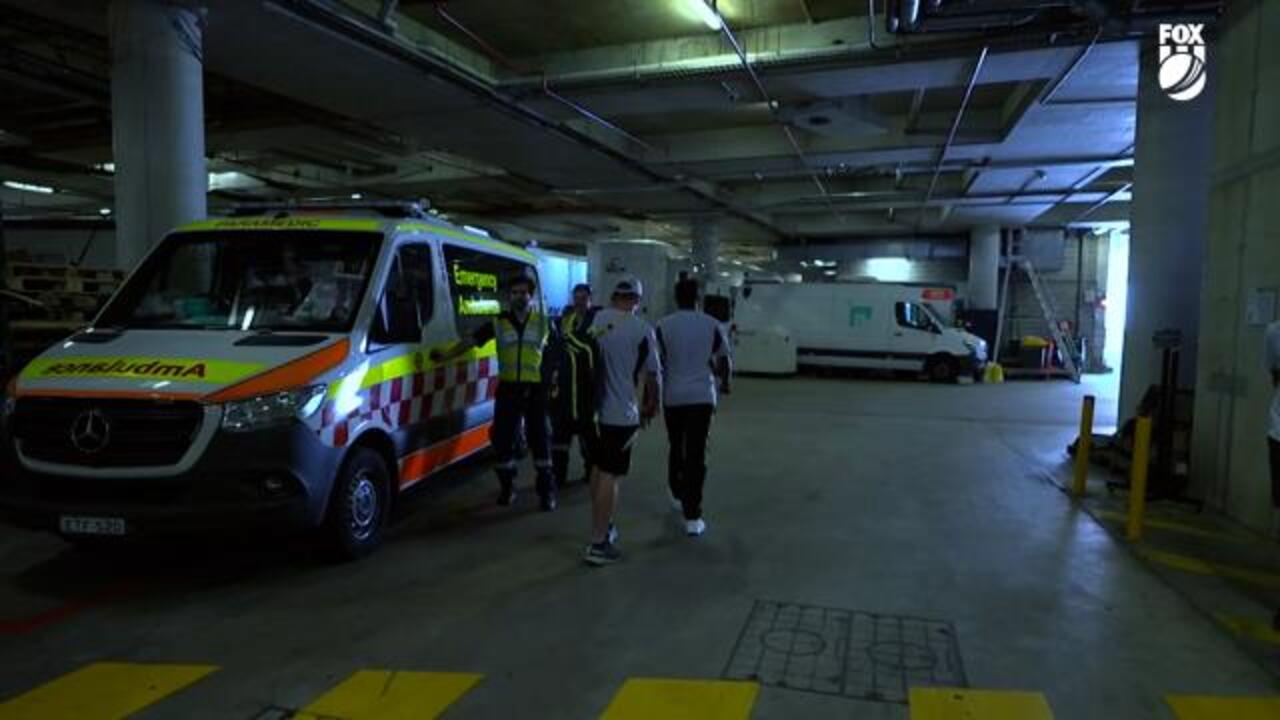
[(521, 332), (570, 368)]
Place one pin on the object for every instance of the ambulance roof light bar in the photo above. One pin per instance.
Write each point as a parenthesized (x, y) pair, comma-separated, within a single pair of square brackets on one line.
[(386, 208)]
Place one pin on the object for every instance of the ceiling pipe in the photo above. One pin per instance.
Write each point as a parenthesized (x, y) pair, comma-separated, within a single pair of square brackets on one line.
[(332, 17), (501, 58), (773, 110), (955, 128), (1109, 197), (1033, 178), (1047, 98), (874, 200)]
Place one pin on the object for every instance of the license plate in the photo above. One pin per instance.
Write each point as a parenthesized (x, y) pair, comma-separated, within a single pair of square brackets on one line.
[(91, 525)]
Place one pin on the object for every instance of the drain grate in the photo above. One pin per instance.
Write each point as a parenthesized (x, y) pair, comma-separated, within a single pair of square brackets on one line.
[(860, 655)]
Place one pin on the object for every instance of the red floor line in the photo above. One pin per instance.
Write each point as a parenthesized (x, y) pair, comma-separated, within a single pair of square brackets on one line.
[(65, 611)]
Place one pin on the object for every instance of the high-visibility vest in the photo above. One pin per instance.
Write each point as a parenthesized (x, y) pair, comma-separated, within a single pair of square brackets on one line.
[(520, 349)]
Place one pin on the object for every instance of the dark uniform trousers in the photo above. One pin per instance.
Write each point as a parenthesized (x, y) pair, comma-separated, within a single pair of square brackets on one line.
[(563, 430), (527, 402), (687, 429)]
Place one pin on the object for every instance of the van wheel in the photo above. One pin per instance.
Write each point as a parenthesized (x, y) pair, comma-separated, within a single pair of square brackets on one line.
[(941, 369), (358, 508)]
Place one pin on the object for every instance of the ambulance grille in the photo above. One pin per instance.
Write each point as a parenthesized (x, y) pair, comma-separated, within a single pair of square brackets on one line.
[(138, 433)]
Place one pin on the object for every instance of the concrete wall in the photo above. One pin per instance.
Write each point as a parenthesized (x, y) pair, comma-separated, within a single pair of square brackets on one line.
[(1229, 460), (1169, 221)]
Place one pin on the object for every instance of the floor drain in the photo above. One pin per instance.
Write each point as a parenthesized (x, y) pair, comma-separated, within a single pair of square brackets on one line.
[(854, 654)]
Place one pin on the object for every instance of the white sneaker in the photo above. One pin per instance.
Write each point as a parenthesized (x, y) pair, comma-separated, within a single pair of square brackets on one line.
[(694, 528)]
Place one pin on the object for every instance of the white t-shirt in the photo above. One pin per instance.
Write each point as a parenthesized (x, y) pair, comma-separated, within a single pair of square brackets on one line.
[(1271, 350), (627, 349), (690, 342)]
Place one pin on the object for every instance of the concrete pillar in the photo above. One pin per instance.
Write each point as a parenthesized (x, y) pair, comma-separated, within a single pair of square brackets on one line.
[(706, 249), (157, 118), (1169, 219), (984, 267), (1229, 462)]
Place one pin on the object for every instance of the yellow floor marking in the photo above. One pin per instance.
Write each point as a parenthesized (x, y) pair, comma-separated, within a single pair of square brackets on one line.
[(650, 699), (1203, 567), (1249, 627), (102, 691), (1186, 707), (1119, 517), (963, 704), (390, 695)]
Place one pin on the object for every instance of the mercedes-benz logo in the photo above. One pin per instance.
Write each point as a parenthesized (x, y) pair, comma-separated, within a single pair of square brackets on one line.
[(90, 431)]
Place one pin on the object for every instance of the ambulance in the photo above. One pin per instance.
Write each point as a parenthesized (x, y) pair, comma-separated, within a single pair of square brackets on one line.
[(269, 372)]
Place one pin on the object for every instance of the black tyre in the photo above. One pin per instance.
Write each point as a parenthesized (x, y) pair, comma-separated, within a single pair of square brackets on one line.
[(359, 506), (941, 368)]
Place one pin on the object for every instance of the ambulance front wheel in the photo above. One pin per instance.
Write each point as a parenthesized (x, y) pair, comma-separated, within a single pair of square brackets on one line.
[(358, 508)]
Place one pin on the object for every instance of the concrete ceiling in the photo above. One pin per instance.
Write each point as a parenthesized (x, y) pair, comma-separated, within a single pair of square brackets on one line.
[(565, 121)]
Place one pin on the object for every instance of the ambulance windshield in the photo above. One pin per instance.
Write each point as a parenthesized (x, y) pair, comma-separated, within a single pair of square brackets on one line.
[(244, 280)]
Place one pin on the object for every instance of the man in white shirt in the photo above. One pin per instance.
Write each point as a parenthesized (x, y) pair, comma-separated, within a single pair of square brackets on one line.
[(628, 357), (694, 353)]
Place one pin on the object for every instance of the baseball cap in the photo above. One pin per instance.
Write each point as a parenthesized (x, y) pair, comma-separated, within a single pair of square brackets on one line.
[(629, 285)]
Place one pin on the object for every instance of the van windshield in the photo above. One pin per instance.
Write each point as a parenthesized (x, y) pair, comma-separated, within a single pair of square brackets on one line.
[(267, 280)]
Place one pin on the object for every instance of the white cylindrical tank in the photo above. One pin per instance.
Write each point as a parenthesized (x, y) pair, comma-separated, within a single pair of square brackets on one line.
[(654, 263)]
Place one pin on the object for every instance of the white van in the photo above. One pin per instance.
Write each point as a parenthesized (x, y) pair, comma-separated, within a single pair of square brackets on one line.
[(870, 325), (268, 372)]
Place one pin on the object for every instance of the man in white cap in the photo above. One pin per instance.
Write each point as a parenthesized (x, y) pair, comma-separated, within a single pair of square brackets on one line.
[(630, 367)]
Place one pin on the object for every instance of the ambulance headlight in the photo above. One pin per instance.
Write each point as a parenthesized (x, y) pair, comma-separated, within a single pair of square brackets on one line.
[(273, 409)]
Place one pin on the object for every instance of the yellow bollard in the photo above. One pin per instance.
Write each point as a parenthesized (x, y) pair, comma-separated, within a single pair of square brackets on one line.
[(1083, 446), (1138, 478)]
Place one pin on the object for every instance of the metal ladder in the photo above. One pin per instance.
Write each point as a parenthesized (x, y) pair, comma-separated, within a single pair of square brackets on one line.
[(1064, 341)]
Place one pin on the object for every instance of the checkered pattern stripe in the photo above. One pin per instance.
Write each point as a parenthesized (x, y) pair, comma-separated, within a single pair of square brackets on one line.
[(414, 398)]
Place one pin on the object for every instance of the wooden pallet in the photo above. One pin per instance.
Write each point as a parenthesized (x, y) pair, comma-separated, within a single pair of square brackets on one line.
[(34, 278)]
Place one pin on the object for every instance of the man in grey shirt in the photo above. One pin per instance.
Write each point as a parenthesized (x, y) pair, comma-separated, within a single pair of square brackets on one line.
[(695, 359), (629, 366)]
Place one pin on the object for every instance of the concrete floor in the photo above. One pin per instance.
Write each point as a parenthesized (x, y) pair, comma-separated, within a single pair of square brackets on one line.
[(878, 496)]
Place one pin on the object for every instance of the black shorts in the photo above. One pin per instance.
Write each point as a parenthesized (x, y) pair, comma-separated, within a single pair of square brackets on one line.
[(610, 448)]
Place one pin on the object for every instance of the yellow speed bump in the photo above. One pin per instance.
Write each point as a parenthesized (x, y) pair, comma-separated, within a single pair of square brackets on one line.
[(390, 695), (650, 699), (103, 691), (1188, 707), (964, 704)]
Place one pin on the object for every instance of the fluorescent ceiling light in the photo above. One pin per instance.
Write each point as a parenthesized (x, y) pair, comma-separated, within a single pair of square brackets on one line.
[(28, 187), (887, 269), (830, 273), (357, 196), (706, 14), (106, 167), (231, 180), (104, 211)]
